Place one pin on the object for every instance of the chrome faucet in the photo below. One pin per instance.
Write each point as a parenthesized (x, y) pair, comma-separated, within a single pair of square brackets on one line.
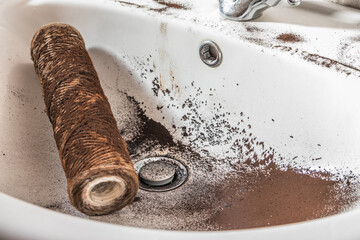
[(244, 10)]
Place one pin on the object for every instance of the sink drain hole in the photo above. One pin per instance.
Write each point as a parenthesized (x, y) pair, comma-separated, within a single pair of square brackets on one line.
[(160, 174), (210, 54)]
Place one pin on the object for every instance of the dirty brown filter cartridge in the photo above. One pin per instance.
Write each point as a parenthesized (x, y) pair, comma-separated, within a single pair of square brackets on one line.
[(100, 175)]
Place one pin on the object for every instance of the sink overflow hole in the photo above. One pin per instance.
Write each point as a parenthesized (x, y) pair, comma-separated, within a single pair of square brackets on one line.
[(210, 53)]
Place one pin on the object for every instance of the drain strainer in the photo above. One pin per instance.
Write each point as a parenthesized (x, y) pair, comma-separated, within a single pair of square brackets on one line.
[(160, 174)]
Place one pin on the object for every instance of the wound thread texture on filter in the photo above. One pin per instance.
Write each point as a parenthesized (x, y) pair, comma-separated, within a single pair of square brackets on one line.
[(100, 175)]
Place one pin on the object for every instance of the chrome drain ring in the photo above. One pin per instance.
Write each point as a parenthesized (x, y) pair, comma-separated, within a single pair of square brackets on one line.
[(180, 176)]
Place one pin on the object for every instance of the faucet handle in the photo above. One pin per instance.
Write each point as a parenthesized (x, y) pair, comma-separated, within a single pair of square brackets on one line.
[(244, 10)]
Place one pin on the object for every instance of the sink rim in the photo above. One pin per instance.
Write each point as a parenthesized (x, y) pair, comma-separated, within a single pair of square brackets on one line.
[(340, 226), (51, 218)]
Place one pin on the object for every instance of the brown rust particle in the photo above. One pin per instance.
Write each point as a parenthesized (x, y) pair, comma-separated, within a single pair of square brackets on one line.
[(290, 37)]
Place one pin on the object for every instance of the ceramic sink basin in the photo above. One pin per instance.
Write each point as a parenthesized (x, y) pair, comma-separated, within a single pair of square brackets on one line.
[(274, 126)]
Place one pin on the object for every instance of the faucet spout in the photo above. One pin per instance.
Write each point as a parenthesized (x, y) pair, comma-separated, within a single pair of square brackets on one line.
[(244, 10)]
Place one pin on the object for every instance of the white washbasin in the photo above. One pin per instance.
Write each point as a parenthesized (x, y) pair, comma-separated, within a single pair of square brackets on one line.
[(297, 94)]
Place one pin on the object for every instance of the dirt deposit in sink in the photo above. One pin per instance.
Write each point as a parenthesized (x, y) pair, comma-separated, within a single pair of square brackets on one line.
[(272, 197), (253, 194)]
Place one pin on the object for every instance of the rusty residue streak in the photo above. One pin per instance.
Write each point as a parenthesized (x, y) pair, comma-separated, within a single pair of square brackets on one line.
[(131, 4), (310, 57), (171, 5), (166, 6), (139, 6), (328, 62), (320, 60)]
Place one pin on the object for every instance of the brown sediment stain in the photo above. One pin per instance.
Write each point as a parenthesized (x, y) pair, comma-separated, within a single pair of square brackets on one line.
[(319, 60), (149, 131), (166, 5), (309, 57), (142, 6), (290, 38), (130, 4), (273, 197), (256, 194), (329, 63)]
